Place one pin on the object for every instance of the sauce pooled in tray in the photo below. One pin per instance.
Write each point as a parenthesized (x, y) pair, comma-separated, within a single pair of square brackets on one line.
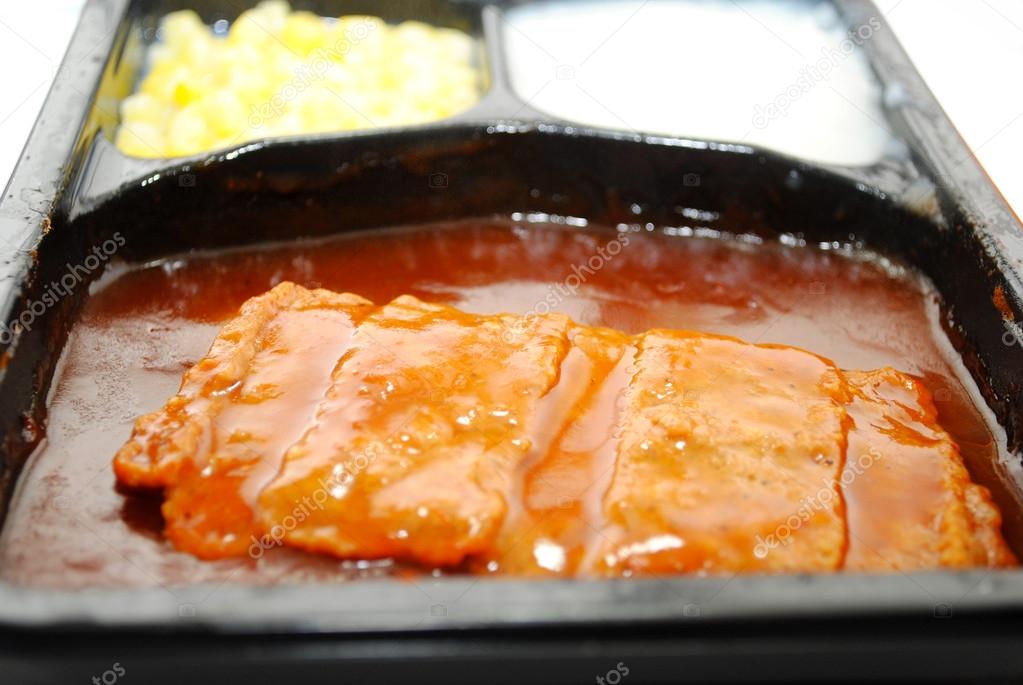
[(411, 435)]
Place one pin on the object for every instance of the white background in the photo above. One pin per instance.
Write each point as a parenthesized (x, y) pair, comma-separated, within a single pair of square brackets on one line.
[(969, 51)]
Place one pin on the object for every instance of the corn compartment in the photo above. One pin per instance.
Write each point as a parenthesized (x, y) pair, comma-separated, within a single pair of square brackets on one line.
[(278, 72)]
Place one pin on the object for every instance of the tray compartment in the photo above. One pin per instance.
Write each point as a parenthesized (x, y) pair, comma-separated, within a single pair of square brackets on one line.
[(308, 189), (139, 31)]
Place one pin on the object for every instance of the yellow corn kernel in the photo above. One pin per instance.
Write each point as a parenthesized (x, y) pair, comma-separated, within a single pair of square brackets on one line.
[(288, 124), (322, 110), (187, 91), (280, 66), (339, 78), (359, 36), (303, 32), (454, 45), (358, 27), (248, 30), (272, 14), (143, 108), (186, 134), (140, 139), (201, 53), (415, 35), (224, 114), (163, 79), (180, 28)]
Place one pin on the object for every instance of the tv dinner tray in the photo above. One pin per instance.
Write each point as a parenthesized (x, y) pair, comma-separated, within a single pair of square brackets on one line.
[(934, 208)]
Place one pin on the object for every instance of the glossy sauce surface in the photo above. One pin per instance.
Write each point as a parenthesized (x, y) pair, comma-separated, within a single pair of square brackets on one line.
[(144, 327)]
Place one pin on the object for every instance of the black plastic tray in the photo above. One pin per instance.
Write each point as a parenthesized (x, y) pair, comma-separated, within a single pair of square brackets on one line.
[(934, 208)]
